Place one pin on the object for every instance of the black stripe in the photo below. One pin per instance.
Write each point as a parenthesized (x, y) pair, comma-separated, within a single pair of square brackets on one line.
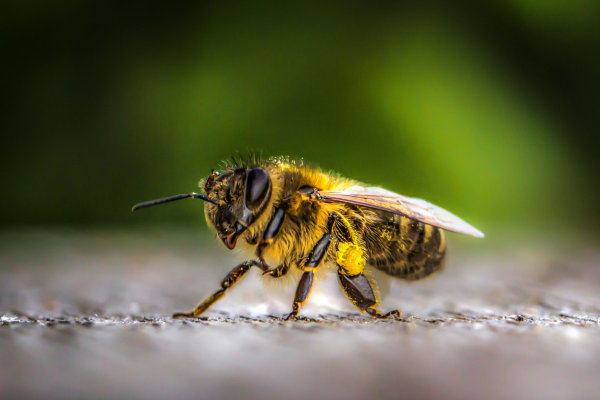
[(417, 248)]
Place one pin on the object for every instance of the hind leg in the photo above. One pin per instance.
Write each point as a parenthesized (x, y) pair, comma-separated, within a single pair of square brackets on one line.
[(358, 289), (351, 263), (373, 313)]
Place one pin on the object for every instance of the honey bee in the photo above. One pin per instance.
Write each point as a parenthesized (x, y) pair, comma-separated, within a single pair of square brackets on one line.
[(297, 217)]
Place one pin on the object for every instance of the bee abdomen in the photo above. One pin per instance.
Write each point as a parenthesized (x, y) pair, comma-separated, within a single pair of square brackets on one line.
[(404, 248)]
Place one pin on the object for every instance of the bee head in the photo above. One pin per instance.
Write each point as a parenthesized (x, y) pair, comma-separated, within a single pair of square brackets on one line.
[(240, 196)]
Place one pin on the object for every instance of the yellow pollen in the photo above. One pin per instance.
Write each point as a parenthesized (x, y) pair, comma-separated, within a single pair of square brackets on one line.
[(350, 258)]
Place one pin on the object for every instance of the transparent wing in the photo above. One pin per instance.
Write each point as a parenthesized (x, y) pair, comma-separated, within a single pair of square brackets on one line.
[(417, 209)]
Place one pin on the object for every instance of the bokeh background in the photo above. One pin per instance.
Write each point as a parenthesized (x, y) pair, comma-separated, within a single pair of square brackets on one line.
[(488, 109)]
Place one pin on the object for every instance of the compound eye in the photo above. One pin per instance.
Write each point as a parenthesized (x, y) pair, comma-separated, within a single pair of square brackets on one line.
[(258, 186)]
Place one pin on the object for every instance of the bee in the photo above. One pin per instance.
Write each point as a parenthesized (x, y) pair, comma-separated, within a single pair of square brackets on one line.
[(294, 217)]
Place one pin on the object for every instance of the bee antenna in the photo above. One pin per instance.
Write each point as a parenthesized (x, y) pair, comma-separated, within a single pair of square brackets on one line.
[(172, 198)]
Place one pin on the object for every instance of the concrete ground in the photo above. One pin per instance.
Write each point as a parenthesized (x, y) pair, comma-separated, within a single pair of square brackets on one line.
[(87, 315)]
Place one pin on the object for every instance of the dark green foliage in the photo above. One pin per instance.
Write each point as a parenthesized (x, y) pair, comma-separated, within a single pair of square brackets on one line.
[(488, 109)]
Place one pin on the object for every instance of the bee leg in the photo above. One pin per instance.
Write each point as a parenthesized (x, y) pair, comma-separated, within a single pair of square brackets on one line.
[(231, 279), (302, 293), (268, 236), (314, 259), (351, 263), (375, 314), (358, 289), (278, 272)]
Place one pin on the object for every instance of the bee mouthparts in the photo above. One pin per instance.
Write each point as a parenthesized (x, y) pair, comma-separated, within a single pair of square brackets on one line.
[(231, 240)]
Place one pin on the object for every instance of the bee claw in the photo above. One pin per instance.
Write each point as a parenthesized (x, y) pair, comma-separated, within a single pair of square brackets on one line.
[(186, 314), (275, 272), (394, 315), (291, 316)]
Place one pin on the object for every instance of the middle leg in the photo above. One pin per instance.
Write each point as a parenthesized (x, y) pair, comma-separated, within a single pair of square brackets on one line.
[(302, 293), (314, 259)]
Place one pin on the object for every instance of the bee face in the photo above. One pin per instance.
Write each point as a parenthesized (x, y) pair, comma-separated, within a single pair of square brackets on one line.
[(241, 196)]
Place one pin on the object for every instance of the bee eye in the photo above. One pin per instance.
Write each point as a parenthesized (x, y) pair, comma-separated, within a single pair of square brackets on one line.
[(258, 186)]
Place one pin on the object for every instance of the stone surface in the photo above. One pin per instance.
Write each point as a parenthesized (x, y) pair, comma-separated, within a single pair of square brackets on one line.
[(87, 315)]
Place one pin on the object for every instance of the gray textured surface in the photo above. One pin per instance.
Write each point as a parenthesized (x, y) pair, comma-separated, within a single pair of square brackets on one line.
[(85, 315)]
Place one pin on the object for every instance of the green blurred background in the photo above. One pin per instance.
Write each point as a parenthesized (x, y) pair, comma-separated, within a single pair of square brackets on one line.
[(486, 108)]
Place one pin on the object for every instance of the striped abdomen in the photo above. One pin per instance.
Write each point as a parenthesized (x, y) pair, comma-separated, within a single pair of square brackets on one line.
[(402, 247)]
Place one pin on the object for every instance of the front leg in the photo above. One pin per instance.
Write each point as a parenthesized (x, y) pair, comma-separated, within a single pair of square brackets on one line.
[(271, 231), (231, 279), (267, 239)]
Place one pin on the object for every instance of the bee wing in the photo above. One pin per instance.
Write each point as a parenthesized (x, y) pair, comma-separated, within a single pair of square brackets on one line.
[(417, 209)]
